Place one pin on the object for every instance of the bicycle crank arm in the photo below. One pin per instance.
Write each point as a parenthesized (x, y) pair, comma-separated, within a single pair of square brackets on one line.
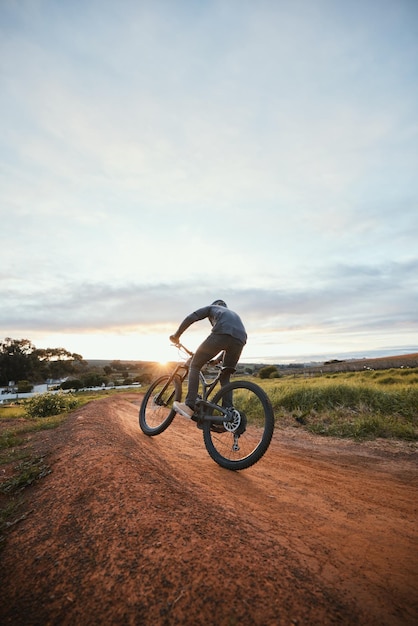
[(218, 419)]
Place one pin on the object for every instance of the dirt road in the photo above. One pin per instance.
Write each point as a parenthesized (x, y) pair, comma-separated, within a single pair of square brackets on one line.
[(135, 530)]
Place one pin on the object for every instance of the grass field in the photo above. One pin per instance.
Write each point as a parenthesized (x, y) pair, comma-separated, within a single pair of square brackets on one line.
[(362, 404)]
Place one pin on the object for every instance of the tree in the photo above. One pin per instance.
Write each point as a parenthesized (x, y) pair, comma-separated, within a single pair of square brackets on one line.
[(57, 362), (18, 360), (21, 360)]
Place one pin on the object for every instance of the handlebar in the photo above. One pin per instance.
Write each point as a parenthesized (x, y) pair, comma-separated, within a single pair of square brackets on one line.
[(178, 344)]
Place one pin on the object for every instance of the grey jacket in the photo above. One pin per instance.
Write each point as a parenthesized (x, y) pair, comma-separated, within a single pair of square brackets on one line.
[(223, 320)]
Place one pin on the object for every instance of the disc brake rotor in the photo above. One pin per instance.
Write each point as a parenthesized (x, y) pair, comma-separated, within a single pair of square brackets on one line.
[(233, 425)]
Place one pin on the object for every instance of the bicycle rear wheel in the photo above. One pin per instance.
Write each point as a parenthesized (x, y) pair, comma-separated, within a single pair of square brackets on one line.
[(242, 442), (156, 412)]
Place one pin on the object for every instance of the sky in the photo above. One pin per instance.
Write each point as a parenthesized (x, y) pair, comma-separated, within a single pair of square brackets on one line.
[(158, 155)]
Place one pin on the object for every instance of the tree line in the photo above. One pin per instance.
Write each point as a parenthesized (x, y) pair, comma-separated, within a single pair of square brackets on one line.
[(21, 360), (25, 365)]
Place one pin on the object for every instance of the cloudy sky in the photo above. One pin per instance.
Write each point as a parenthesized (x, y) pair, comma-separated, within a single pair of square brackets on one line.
[(157, 154)]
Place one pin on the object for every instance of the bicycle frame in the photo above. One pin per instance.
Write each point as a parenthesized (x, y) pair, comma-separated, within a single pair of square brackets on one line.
[(207, 385)]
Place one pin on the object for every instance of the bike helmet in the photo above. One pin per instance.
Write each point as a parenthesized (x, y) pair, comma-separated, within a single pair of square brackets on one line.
[(219, 303)]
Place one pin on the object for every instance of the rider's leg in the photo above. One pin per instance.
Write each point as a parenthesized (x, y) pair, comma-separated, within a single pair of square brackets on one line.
[(233, 348), (205, 352)]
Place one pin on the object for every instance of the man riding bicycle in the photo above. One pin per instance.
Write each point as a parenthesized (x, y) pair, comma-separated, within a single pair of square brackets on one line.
[(228, 335)]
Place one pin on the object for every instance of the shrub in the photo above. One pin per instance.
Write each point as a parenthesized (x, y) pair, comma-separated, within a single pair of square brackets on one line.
[(24, 386), (72, 383), (93, 379), (269, 371), (48, 404)]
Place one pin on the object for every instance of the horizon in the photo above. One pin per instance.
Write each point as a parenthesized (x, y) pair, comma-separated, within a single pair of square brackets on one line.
[(157, 348), (347, 356)]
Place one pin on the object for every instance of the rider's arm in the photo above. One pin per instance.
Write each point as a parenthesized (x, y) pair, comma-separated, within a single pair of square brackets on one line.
[(200, 314)]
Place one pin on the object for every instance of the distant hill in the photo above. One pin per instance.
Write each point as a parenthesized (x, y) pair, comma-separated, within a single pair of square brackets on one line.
[(378, 363), (104, 362), (335, 365)]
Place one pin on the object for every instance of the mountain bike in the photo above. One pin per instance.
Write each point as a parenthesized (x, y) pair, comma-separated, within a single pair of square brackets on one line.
[(237, 419)]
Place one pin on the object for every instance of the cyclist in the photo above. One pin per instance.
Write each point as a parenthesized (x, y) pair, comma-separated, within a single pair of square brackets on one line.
[(228, 335)]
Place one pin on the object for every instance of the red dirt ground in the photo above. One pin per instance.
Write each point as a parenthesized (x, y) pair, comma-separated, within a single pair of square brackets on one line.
[(133, 530)]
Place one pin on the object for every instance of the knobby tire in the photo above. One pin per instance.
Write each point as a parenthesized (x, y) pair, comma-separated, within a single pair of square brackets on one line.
[(156, 412), (255, 426)]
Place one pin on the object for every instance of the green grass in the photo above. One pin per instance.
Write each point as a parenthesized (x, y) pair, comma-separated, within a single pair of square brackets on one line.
[(361, 405), (13, 437), (28, 470), (9, 439), (11, 411)]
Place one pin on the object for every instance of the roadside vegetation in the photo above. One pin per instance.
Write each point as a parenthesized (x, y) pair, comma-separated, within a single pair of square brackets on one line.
[(362, 405)]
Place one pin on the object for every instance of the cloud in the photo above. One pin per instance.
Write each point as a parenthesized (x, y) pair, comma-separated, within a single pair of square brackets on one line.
[(352, 297)]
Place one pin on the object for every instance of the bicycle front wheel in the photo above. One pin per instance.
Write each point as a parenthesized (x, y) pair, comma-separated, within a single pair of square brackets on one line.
[(238, 444), (156, 412)]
